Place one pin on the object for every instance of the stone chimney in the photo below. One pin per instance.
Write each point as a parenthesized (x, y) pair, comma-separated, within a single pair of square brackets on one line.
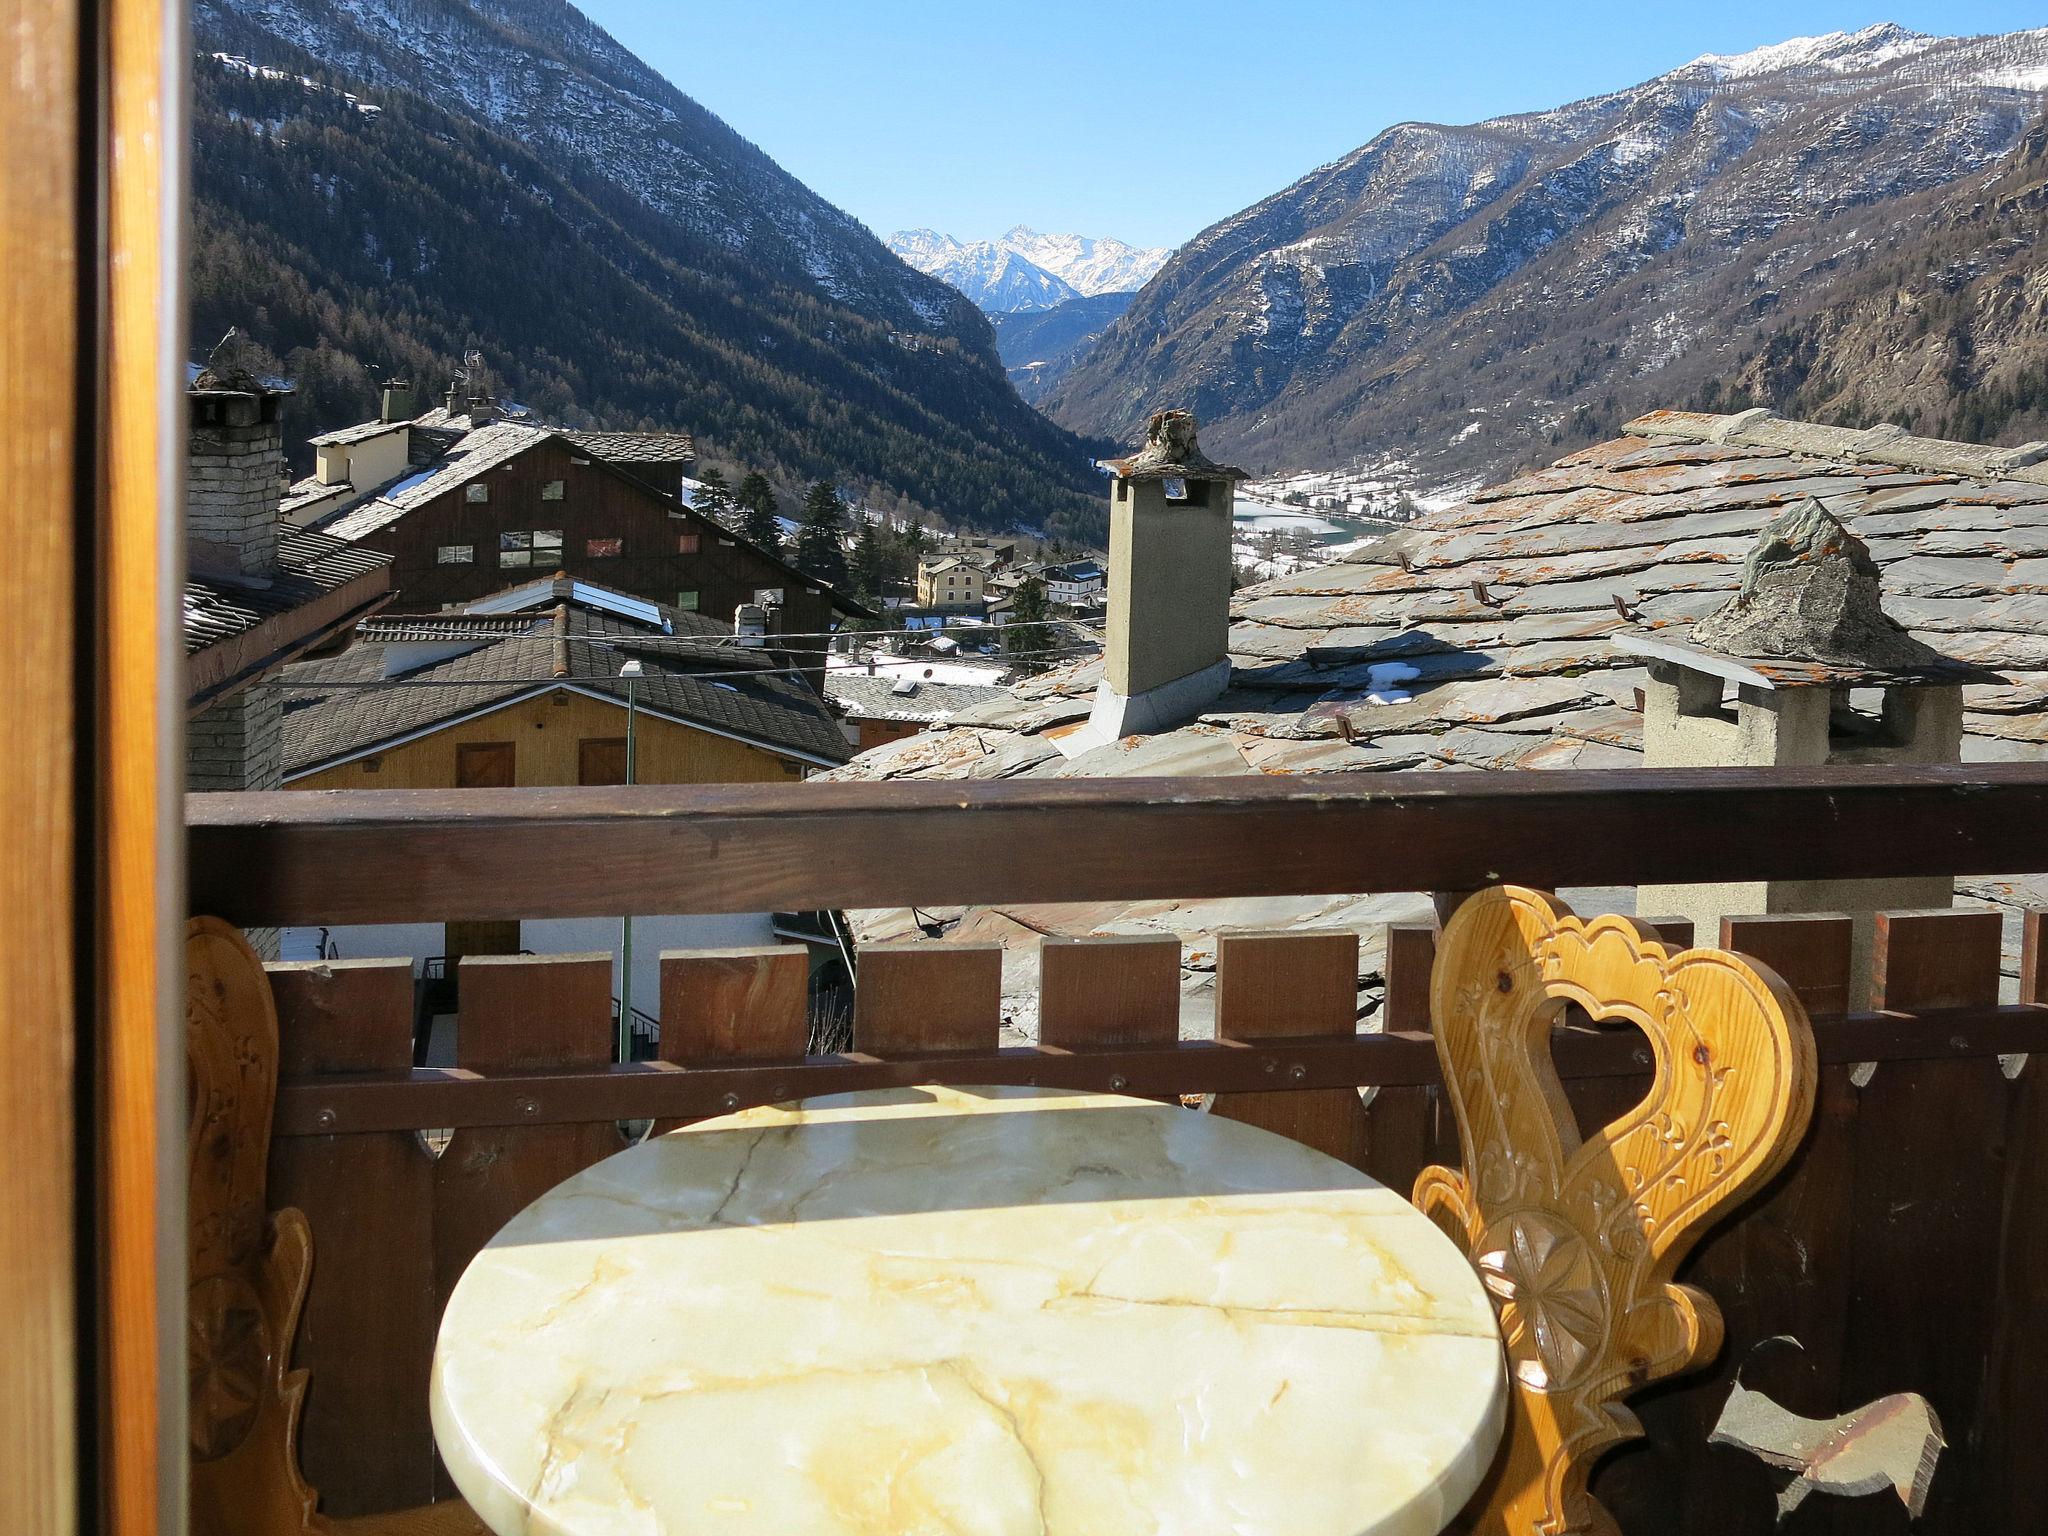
[(397, 402), (482, 412), (1167, 651), (234, 444), (1802, 668)]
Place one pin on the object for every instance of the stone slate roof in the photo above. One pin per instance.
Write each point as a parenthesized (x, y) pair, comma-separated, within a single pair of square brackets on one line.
[(219, 607), (866, 697), (1482, 637), (362, 432), (475, 453), (636, 447), (692, 672)]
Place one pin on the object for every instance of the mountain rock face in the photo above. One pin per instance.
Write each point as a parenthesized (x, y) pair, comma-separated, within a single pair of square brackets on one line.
[(1025, 270), (1447, 303), (391, 184), (1039, 346), (1943, 331)]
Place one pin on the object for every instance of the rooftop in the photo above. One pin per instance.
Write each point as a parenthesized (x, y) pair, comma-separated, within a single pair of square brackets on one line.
[(541, 636), (1492, 635)]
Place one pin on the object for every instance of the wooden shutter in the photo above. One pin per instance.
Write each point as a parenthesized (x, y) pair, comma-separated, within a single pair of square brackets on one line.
[(485, 765), (601, 760)]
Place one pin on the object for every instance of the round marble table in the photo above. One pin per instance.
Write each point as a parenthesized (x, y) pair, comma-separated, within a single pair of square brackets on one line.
[(968, 1312)]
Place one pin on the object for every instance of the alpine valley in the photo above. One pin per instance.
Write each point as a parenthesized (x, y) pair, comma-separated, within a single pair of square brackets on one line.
[(385, 186), (1849, 222)]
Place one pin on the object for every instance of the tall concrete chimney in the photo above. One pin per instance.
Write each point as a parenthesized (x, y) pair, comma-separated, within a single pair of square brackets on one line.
[(234, 444), (1803, 668), (397, 401), (1167, 649)]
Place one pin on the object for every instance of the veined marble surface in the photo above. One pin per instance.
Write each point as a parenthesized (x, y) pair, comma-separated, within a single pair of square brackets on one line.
[(968, 1312)]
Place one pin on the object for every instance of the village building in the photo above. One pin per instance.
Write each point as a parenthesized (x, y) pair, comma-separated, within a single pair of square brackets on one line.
[(466, 502), (554, 683), (258, 593), (1076, 584), (950, 582), (1507, 632)]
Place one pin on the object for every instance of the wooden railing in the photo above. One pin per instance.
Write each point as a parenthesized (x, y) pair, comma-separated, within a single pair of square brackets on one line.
[(1903, 1247)]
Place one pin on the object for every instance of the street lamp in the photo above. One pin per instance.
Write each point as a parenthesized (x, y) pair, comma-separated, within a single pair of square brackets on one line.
[(632, 672)]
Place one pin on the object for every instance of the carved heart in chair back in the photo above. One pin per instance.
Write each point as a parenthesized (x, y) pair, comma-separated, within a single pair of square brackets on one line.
[(1577, 1243)]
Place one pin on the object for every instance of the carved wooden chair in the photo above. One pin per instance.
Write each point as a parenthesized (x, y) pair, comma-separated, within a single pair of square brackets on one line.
[(249, 1268), (1578, 1242)]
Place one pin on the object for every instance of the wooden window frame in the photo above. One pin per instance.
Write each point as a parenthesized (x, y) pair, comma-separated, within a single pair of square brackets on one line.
[(92, 1227)]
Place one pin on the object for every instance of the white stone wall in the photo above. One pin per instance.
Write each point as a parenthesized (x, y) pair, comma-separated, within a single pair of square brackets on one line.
[(232, 480)]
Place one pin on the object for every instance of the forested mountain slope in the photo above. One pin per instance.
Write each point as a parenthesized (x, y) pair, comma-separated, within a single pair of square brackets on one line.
[(384, 187)]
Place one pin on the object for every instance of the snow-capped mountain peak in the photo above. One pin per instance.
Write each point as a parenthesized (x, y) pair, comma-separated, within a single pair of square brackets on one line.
[(1025, 270), (1835, 52), (1091, 265)]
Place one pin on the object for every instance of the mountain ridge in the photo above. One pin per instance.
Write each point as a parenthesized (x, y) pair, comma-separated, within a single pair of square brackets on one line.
[(1449, 302)]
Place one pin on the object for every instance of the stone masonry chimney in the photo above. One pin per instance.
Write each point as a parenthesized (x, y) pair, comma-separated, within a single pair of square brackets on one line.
[(1802, 668), (1168, 644), (234, 444), (397, 401)]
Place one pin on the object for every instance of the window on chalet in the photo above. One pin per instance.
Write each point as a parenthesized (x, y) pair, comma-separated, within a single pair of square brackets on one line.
[(455, 554), (686, 543), (551, 491), (476, 490), (687, 600), (547, 547), (767, 595), (515, 549), (603, 549)]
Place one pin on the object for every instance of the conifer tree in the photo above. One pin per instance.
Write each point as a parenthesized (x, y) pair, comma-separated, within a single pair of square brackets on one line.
[(819, 552), (714, 499), (867, 563), (758, 512), (1027, 633)]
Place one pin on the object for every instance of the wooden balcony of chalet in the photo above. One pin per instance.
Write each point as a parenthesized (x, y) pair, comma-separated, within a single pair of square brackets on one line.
[(1903, 1246)]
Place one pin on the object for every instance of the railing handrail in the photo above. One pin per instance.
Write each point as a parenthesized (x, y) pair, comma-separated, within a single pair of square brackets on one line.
[(358, 856)]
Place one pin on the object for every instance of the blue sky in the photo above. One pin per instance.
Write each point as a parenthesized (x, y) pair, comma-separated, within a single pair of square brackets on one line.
[(1151, 119)]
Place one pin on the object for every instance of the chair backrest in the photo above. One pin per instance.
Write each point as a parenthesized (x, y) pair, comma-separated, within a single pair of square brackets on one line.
[(249, 1267), (1577, 1242)]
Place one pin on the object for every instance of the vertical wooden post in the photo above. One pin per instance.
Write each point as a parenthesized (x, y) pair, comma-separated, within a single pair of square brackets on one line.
[(42, 948), (1930, 1183), (1402, 1124), (91, 118), (1277, 985), (367, 1334)]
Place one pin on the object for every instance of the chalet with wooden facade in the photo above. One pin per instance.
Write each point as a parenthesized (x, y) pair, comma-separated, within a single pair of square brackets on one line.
[(548, 685), (480, 503)]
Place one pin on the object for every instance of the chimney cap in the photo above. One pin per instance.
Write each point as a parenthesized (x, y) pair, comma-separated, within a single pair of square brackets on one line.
[(1172, 451), (228, 370), (1810, 613)]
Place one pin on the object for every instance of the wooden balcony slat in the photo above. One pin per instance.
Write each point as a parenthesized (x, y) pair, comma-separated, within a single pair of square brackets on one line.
[(1406, 1128), (1119, 989), (2011, 1404), (914, 999), (734, 1003), (1808, 950), (329, 856), (1930, 1184), (1302, 984)]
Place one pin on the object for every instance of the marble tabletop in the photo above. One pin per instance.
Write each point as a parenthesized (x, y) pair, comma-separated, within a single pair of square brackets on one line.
[(968, 1312)]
